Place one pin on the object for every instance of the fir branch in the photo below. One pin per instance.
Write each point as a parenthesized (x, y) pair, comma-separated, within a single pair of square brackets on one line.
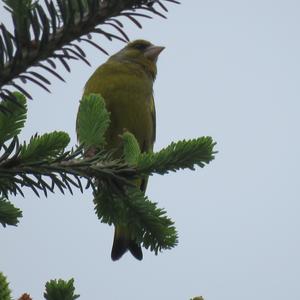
[(152, 226), (180, 155), (8, 213), (12, 117), (48, 32), (60, 290), (64, 171), (92, 121), (132, 209), (131, 148), (43, 164), (5, 292), (46, 146)]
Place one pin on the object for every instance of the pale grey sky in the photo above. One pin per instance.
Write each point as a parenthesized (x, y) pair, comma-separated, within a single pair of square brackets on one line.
[(231, 69)]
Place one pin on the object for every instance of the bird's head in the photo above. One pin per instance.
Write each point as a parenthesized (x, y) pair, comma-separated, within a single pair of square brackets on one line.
[(140, 52)]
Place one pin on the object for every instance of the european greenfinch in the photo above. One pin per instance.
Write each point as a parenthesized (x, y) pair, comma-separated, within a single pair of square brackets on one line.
[(125, 81)]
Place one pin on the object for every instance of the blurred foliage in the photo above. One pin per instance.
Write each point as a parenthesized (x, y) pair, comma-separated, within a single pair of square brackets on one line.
[(5, 292), (60, 290)]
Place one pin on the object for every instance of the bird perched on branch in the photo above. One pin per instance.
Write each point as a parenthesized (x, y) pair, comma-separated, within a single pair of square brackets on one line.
[(125, 81)]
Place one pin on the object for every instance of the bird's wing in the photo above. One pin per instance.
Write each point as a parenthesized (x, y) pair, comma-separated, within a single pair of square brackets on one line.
[(153, 115), (149, 147)]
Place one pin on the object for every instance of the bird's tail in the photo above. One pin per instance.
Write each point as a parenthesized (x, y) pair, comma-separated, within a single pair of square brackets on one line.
[(123, 242), (123, 239)]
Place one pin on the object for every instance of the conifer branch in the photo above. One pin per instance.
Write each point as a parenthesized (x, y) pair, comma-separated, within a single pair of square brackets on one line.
[(43, 165), (8, 213), (131, 208), (63, 172), (178, 155), (60, 290), (5, 292), (44, 33)]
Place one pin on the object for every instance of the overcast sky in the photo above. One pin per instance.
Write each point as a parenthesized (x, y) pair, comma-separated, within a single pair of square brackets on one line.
[(231, 70)]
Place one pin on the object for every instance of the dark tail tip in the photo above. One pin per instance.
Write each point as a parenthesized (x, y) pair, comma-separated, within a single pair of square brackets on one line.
[(135, 250), (122, 244)]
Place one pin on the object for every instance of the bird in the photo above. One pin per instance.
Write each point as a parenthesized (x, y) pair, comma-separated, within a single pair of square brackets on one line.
[(125, 81)]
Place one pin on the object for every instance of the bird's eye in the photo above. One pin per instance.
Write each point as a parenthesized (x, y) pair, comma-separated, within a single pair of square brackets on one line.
[(140, 46)]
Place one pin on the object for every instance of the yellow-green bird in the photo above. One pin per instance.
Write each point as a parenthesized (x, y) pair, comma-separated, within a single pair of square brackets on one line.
[(125, 81)]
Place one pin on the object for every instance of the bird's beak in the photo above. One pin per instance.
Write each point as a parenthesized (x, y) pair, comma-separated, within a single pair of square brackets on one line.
[(152, 52)]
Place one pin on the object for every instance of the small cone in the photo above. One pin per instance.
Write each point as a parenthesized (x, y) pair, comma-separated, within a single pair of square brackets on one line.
[(25, 297)]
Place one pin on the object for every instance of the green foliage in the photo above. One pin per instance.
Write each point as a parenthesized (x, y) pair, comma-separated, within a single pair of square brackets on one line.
[(75, 8), (5, 292), (64, 172), (12, 121), (8, 213), (180, 155), (60, 290), (92, 121), (131, 208), (19, 6), (131, 148), (20, 11), (50, 31), (46, 146), (151, 224), (43, 164)]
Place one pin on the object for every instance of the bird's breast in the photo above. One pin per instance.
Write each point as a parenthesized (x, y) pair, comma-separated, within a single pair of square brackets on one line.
[(127, 94)]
